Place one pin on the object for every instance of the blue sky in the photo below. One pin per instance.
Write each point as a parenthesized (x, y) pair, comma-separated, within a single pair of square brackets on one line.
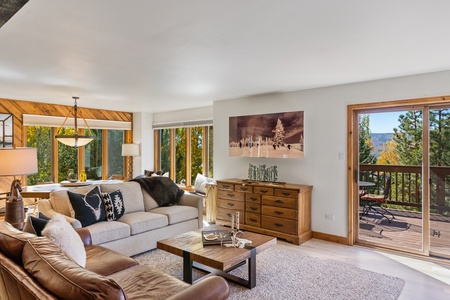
[(384, 122)]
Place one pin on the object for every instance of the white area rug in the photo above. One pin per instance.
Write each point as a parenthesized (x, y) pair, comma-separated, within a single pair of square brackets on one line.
[(283, 274)]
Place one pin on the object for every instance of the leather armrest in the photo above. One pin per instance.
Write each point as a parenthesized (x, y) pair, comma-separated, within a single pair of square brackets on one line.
[(214, 287), (85, 236)]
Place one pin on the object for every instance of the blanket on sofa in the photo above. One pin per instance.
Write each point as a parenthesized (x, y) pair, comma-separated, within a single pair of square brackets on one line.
[(162, 189)]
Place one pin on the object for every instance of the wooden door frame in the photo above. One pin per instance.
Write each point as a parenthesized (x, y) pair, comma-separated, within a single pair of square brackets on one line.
[(353, 160)]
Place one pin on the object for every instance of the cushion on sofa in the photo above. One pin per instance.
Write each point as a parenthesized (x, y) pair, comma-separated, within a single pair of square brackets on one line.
[(114, 206), (62, 234), (54, 270), (177, 213), (105, 261), (149, 202), (12, 241), (60, 200), (131, 192), (103, 232), (35, 225), (144, 221), (151, 282), (89, 208)]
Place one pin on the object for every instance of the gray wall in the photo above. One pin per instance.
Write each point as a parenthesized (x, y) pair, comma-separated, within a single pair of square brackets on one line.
[(325, 136)]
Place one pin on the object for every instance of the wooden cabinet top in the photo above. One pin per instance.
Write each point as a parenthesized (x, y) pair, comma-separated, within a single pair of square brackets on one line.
[(276, 185)]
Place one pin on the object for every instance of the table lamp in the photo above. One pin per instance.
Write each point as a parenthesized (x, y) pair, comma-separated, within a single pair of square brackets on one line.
[(130, 150), (16, 162)]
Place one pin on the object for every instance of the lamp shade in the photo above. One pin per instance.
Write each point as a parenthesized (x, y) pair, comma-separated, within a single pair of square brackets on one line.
[(18, 161), (74, 140), (130, 149)]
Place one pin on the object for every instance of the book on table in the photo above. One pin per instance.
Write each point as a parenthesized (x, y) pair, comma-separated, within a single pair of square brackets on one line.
[(216, 237)]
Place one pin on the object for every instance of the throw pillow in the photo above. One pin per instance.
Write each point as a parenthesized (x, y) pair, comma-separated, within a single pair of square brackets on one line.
[(200, 183), (62, 234), (89, 209), (86, 190), (35, 225), (114, 207)]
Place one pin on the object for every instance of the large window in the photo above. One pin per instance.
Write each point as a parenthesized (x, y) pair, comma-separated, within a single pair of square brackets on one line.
[(57, 167), (185, 151)]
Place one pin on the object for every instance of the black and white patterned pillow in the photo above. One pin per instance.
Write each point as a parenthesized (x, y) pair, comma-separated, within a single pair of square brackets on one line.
[(114, 207), (88, 208)]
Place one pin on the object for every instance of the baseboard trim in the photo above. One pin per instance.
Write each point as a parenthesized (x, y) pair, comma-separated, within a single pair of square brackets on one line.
[(330, 238)]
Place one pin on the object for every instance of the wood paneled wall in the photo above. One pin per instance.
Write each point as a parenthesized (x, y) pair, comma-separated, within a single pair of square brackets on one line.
[(19, 107)]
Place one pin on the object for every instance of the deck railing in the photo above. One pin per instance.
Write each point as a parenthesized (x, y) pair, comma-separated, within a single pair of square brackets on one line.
[(406, 189)]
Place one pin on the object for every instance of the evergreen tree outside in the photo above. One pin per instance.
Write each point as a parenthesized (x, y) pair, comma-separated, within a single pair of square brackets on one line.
[(115, 158), (180, 154), (439, 137), (211, 152), (408, 138), (39, 137), (165, 150), (196, 152), (365, 142)]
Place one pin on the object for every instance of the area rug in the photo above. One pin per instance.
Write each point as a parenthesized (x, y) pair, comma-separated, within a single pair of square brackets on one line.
[(283, 274)]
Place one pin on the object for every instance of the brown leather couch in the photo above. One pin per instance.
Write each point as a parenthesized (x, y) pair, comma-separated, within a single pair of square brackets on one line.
[(33, 267)]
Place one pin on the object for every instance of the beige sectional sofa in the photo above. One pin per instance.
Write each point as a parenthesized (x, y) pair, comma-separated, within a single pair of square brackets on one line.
[(142, 225)]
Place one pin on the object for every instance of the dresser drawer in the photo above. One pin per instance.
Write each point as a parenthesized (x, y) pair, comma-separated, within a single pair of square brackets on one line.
[(253, 198), (225, 214), (225, 186), (263, 190), (236, 196), (279, 201), (253, 219), (252, 207), (281, 225), (237, 205), (279, 212), (243, 188), (286, 193)]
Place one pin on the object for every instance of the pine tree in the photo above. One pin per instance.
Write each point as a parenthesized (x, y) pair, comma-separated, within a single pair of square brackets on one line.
[(439, 137), (365, 141), (408, 137), (279, 134)]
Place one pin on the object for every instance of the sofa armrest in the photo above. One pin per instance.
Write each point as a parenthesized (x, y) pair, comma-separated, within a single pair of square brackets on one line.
[(85, 236), (45, 207), (214, 287), (189, 199)]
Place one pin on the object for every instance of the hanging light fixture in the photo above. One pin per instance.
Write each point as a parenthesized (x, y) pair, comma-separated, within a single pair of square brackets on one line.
[(74, 140)]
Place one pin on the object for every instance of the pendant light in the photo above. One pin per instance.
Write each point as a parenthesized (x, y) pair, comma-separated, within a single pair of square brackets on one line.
[(74, 140)]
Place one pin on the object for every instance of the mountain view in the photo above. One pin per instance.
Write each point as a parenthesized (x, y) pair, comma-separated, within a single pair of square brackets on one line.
[(378, 140)]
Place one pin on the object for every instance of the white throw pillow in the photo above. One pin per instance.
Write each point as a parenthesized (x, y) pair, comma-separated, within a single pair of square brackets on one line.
[(200, 183), (62, 234)]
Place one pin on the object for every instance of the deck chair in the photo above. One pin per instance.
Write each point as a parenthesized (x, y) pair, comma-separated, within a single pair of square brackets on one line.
[(375, 203)]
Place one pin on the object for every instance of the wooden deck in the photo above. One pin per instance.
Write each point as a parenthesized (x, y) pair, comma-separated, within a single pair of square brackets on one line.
[(405, 231)]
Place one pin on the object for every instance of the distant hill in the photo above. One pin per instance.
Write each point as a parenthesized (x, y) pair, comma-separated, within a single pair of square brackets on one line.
[(378, 140)]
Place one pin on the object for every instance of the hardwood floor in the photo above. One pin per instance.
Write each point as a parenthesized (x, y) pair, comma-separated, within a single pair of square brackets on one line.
[(424, 279)]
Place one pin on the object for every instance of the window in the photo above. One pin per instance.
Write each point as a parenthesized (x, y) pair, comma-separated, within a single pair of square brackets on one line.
[(185, 150), (90, 158)]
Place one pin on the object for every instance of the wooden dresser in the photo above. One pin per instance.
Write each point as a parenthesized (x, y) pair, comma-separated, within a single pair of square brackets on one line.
[(280, 210)]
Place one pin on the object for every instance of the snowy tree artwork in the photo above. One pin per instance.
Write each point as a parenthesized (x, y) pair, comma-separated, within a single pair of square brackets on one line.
[(276, 135)]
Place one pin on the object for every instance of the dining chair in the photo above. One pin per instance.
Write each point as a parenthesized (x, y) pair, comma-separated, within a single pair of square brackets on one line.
[(375, 203)]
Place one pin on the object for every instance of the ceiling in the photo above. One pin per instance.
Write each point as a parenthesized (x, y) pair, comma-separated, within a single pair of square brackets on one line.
[(162, 55)]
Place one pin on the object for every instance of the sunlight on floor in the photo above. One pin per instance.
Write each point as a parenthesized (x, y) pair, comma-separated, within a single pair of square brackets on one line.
[(431, 269)]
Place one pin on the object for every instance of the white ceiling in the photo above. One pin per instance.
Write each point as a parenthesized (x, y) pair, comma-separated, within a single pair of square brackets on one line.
[(162, 55)]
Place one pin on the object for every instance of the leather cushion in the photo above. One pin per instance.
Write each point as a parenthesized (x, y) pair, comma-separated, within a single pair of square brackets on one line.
[(105, 261), (60, 275), (12, 241)]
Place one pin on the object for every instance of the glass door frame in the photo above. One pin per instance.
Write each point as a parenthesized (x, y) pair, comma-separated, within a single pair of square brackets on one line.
[(353, 111)]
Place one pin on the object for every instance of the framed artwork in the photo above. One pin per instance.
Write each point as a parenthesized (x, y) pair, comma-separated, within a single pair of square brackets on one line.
[(6, 130), (277, 135)]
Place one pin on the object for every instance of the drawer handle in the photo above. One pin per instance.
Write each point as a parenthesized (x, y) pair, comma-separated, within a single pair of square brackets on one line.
[(285, 194), (230, 195), (278, 225), (244, 189), (279, 212), (230, 204), (226, 186), (279, 201), (263, 191), (253, 220), (253, 198), (253, 208)]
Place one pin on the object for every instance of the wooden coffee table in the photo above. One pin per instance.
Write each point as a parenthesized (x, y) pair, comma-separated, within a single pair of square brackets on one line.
[(216, 259)]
